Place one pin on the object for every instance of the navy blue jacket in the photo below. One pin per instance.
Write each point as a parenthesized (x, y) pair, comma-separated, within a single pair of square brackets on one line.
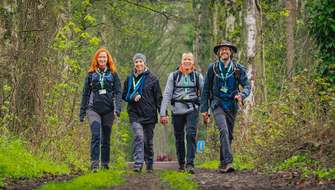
[(111, 101), (212, 97)]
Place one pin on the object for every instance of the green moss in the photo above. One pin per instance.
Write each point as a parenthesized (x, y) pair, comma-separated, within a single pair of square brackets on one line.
[(178, 180), (16, 161), (102, 179)]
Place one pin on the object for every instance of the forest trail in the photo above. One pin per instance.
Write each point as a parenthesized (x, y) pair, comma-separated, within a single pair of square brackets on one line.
[(212, 180), (27, 184), (205, 178)]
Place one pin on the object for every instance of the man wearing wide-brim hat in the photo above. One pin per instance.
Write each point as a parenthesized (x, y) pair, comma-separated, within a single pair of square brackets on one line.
[(222, 95)]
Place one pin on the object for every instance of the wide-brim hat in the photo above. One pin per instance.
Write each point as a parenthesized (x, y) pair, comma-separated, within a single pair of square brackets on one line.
[(227, 44)]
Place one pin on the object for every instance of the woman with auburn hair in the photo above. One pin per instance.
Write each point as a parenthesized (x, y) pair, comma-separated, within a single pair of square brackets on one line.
[(101, 101), (183, 89)]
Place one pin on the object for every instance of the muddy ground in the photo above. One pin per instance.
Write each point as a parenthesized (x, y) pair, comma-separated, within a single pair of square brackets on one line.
[(27, 184), (207, 180), (239, 180)]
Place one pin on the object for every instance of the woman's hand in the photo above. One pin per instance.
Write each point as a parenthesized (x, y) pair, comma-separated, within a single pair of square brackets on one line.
[(164, 120), (137, 98)]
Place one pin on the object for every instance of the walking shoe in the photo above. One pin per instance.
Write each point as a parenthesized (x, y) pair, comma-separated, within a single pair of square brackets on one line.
[(94, 166), (190, 168), (149, 168), (226, 168), (137, 168), (105, 167), (181, 168)]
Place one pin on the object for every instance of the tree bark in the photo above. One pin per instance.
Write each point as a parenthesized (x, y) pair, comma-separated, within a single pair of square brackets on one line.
[(262, 69), (290, 23), (250, 21), (33, 40), (197, 25)]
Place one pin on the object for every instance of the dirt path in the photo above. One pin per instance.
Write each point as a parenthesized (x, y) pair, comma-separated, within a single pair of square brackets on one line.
[(142, 181), (27, 184), (238, 180), (207, 180), (147, 181), (251, 180)]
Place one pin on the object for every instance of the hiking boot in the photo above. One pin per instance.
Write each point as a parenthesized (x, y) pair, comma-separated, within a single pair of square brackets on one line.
[(105, 167), (190, 169), (137, 168), (94, 166), (149, 169), (226, 168), (181, 168)]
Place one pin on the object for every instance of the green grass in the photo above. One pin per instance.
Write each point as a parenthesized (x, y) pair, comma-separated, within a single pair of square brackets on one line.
[(178, 180), (238, 164), (214, 164), (16, 161), (306, 166), (102, 179)]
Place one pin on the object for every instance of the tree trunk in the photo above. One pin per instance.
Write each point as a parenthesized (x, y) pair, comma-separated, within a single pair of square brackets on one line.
[(215, 27), (197, 25), (261, 68), (33, 39), (250, 21), (290, 23)]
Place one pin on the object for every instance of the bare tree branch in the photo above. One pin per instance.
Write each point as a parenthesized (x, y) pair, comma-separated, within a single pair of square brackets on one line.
[(149, 8)]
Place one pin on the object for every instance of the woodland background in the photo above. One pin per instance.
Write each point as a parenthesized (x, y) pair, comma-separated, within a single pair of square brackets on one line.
[(288, 47)]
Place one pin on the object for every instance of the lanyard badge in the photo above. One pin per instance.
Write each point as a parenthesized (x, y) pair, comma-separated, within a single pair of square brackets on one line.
[(224, 89), (186, 81), (101, 81)]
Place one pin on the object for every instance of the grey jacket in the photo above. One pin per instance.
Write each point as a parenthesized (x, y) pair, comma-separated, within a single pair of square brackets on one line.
[(171, 92)]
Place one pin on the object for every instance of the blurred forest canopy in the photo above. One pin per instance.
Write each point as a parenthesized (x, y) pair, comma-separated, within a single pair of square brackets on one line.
[(288, 47)]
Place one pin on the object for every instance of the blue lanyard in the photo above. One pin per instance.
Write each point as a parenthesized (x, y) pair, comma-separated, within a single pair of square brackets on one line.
[(135, 85), (101, 77), (227, 73), (186, 82)]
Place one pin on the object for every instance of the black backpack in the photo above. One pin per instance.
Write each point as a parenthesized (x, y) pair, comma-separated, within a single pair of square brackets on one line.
[(176, 78)]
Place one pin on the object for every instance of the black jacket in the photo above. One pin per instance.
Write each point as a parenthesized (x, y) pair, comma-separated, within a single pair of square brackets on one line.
[(111, 101), (145, 110)]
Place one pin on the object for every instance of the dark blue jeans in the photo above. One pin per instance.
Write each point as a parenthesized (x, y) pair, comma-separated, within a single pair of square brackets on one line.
[(101, 127), (225, 120), (190, 121)]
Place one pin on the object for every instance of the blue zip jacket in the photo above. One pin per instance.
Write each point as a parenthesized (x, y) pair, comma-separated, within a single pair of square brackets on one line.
[(222, 85)]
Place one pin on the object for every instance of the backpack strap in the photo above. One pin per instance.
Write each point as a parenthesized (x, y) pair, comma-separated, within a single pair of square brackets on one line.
[(237, 74), (90, 83), (211, 80), (197, 83), (176, 79)]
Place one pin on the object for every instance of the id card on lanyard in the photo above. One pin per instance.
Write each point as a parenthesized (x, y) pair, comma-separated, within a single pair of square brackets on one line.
[(101, 80), (224, 89)]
